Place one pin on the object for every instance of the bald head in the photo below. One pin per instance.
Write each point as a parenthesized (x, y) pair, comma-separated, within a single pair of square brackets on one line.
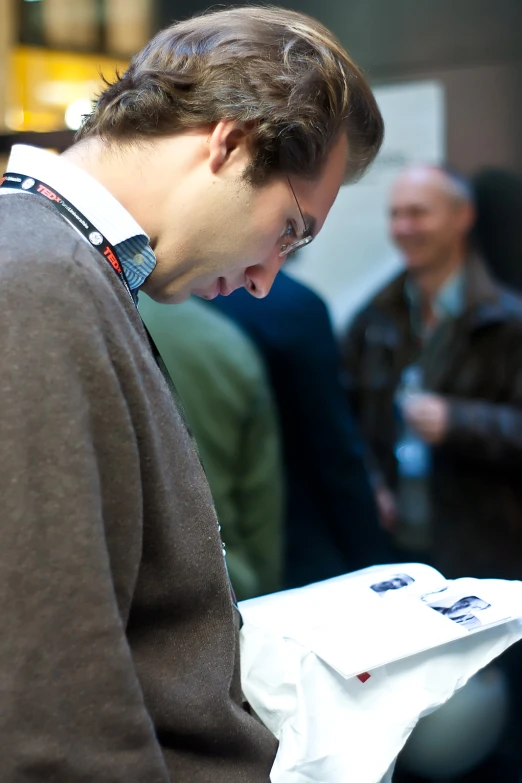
[(453, 187), (431, 214)]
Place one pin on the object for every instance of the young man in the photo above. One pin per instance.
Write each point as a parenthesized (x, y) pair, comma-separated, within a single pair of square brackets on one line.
[(217, 153)]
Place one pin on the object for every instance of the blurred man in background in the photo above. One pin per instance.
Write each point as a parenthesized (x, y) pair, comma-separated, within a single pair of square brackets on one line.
[(223, 387), (447, 318), (331, 518)]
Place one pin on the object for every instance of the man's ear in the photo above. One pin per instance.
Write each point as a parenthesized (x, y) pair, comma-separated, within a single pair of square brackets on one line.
[(228, 146)]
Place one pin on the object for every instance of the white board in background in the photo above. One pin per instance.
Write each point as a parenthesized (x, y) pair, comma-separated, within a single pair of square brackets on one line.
[(352, 256)]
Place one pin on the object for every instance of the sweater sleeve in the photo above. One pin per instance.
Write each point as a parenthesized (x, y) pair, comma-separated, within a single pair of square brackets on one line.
[(72, 707)]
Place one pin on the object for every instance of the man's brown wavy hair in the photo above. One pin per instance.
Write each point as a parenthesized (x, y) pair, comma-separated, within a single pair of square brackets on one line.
[(280, 73)]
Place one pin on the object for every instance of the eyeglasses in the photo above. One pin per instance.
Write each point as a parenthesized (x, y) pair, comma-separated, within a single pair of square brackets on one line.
[(304, 240)]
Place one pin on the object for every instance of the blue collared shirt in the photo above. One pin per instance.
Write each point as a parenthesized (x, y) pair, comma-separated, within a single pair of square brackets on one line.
[(98, 205), (448, 302)]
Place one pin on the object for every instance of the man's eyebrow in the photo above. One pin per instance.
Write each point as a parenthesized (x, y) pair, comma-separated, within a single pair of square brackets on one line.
[(310, 222)]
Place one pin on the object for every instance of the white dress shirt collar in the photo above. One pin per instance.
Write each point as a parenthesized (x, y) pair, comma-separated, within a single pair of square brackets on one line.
[(83, 191)]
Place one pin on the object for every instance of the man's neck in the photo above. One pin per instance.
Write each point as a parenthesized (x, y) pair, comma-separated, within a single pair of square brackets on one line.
[(430, 281), (111, 170)]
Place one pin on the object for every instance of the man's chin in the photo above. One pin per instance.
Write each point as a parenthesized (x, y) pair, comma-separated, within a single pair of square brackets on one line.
[(208, 295), (417, 263)]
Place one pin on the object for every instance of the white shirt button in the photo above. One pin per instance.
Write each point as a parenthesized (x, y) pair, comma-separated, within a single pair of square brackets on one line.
[(139, 258)]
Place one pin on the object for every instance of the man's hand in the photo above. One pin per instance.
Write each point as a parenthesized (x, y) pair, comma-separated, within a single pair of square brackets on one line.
[(428, 414), (387, 508)]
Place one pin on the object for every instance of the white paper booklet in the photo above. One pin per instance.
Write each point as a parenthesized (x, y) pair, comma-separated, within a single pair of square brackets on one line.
[(369, 618), (342, 670)]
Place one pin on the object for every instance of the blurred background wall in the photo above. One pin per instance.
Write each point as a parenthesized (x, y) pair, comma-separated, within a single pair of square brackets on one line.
[(448, 76)]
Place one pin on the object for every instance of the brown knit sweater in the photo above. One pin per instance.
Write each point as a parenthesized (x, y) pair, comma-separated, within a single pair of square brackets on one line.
[(118, 646)]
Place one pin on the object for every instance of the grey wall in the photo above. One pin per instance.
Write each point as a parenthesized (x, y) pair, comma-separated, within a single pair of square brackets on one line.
[(406, 36), (484, 115)]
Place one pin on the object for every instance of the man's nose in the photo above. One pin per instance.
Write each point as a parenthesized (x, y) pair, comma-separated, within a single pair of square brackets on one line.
[(402, 227), (259, 278)]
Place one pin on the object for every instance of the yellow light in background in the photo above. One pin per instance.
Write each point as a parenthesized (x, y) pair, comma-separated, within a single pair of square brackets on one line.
[(76, 111), (14, 117), (45, 84)]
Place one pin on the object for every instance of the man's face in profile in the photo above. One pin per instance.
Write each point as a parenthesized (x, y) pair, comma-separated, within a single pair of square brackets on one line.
[(221, 232)]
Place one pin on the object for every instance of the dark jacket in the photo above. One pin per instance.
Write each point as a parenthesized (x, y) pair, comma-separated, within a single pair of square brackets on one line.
[(119, 657), (331, 523), (476, 363)]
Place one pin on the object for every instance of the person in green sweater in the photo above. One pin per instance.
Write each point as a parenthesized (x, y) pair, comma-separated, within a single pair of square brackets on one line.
[(221, 381)]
